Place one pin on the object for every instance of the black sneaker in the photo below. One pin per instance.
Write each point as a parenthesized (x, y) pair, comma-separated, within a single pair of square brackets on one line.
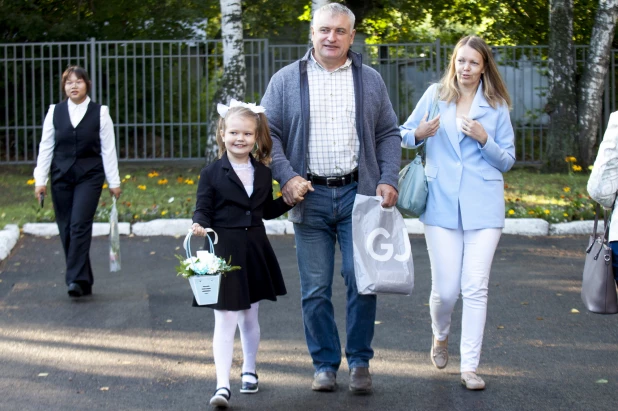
[(249, 387)]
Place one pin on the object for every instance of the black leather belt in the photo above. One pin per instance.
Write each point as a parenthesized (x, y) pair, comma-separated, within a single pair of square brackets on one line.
[(334, 181)]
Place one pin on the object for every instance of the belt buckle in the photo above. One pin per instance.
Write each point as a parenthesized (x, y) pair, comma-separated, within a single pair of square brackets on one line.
[(333, 180)]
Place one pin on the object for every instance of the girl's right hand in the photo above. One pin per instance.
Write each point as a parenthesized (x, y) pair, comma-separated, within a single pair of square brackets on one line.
[(198, 230), (305, 187), (427, 129)]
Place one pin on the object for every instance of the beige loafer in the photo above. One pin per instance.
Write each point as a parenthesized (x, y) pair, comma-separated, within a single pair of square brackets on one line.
[(439, 352), (472, 381)]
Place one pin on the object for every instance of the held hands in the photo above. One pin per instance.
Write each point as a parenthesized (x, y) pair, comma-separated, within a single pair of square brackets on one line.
[(474, 129), (304, 188), (426, 128), (295, 189)]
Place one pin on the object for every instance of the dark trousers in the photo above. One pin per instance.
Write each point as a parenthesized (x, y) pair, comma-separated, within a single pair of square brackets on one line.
[(75, 196)]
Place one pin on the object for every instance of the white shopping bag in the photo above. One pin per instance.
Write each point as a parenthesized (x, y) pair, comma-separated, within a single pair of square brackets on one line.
[(114, 239), (382, 253)]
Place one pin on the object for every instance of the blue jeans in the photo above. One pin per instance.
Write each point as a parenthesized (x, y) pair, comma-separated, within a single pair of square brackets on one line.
[(327, 218), (614, 247)]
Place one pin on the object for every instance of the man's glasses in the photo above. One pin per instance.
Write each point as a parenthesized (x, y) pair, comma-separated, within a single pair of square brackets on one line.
[(77, 83)]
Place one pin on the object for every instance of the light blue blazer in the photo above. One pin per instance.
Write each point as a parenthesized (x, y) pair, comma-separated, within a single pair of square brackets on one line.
[(465, 180)]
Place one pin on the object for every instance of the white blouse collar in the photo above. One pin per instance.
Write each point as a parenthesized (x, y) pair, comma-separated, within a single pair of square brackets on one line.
[(73, 105)]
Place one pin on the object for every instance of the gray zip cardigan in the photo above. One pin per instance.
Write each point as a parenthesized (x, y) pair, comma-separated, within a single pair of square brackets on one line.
[(287, 107)]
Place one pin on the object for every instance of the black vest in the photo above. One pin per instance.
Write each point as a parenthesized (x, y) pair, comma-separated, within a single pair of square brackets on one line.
[(79, 145)]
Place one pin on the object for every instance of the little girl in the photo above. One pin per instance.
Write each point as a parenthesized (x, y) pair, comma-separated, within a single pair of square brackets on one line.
[(233, 196)]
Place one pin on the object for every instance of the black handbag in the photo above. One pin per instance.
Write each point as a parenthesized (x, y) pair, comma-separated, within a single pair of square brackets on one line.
[(599, 293)]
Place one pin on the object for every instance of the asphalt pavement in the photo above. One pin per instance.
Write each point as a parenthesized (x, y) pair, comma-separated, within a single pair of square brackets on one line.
[(137, 344)]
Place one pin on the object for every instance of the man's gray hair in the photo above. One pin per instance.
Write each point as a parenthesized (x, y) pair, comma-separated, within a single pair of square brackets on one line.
[(335, 9)]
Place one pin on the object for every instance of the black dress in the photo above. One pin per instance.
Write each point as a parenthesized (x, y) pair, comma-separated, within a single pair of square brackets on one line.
[(223, 205)]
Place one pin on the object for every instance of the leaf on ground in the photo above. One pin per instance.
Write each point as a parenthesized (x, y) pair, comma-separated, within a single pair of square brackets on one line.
[(17, 264), (602, 381), (177, 248), (501, 327), (524, 303), (539, 318), (574, 311), (104, 388), (559, 294), (426, 304)]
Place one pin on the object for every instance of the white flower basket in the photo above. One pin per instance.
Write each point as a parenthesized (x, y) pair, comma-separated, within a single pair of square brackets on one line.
[(205, 288)]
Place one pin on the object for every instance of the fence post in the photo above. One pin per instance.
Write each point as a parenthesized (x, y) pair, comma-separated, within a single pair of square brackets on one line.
[(93, 70), (438, 59), (267, 56)]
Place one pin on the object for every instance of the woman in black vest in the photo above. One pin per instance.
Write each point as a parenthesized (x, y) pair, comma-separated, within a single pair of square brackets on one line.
[(78, 147)]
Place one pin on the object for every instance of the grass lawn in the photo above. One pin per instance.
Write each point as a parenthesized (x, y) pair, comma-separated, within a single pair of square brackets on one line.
[(168, 191)]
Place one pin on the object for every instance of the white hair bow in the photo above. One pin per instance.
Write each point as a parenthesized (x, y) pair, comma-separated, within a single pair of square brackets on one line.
[(222, 109)]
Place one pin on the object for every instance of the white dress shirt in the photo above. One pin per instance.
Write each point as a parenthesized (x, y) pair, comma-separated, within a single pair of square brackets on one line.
[(76, 113), (333, 140)]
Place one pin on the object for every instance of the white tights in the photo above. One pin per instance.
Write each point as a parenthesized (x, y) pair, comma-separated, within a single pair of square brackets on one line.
[(223, 341), (461, 261)]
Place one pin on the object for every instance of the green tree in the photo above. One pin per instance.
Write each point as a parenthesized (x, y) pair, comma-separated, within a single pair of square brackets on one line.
[(77, 20)]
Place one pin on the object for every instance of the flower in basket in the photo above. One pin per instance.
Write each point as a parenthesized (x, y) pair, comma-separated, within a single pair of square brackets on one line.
[(205, 264)]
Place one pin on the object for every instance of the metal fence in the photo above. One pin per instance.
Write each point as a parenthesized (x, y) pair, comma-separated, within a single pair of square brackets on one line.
[(160, 92)]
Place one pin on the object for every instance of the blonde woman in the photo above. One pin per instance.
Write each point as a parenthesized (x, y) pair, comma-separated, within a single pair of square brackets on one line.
[(469, 144)]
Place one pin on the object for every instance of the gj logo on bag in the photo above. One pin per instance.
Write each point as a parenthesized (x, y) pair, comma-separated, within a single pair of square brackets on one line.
[(388, 247), (382, 254)]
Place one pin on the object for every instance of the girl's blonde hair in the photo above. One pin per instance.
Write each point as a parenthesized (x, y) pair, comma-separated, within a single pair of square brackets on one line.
[(494, 88), (263, 140)]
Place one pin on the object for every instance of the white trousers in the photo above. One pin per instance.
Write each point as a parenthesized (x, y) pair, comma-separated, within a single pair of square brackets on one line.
[(223, 341), (461, 261)]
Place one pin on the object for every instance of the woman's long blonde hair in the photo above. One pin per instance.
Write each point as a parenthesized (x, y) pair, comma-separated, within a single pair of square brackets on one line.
[(263, 140), (494, 88)]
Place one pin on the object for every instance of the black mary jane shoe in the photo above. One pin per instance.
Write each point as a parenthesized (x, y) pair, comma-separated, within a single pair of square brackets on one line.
[(249, 387), (220, 398), (75, 290)]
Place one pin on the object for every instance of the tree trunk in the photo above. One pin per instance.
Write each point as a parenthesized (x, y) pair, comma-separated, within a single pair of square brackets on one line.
[(593, 80), (561, 105), (233, 82)]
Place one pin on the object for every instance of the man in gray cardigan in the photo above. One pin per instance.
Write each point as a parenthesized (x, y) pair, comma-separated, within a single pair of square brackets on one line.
[(332, 123)]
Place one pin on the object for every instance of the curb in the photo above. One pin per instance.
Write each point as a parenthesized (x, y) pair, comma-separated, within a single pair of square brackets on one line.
[(178, 227), (8, 239)]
